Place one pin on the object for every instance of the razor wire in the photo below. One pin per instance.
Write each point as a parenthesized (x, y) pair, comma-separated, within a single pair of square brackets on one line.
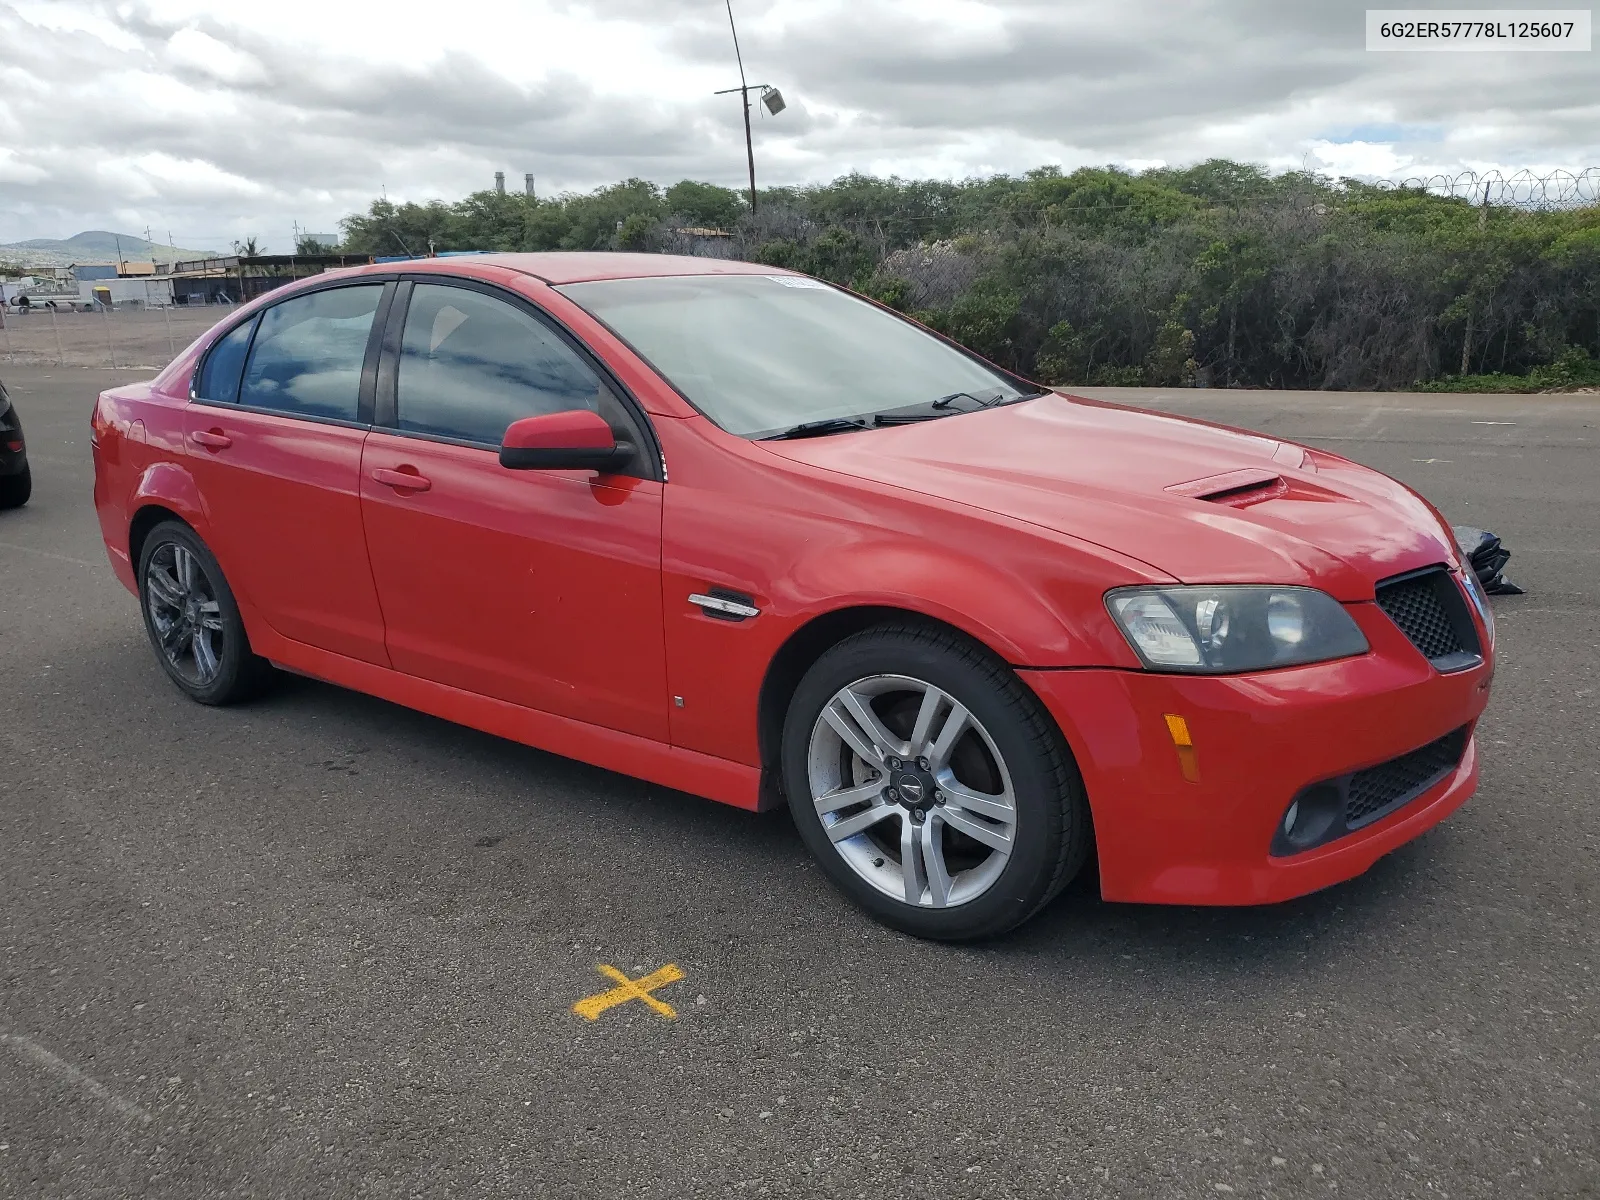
[(1521, 189)]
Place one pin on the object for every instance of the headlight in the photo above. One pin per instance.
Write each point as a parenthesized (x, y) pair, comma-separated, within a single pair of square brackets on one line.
[(1218, 630)]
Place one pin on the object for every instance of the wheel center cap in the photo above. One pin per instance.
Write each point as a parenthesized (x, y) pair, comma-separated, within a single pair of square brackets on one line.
[(915, 791)]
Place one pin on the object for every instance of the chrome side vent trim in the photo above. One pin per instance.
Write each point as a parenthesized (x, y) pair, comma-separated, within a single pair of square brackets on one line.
[(724, 605)]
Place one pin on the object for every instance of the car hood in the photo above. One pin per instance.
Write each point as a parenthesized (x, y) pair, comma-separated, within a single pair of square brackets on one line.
[(1199, 502)]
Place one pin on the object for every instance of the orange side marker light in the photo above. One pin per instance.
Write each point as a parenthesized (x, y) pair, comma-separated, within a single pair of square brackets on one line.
[(1188, 759)]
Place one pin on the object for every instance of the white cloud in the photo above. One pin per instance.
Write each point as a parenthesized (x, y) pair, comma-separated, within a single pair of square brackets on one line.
[(13, 170), (196, 51), (1358, 158), (222, 119)]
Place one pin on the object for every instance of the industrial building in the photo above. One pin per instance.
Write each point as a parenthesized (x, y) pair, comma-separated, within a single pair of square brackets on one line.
[(128, 284), (150, 291), (236, 278)]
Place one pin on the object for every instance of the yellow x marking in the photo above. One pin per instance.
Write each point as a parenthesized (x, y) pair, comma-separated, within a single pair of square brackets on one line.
[(627, 989)]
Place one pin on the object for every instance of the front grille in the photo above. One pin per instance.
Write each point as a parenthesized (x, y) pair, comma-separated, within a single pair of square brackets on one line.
[(1378, 790), (1430, 610)]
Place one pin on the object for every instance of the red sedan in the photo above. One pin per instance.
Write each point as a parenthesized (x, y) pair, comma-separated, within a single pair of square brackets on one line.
[(738, 532)]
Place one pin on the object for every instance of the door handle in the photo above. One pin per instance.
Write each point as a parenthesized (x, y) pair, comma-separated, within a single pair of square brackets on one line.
[(211, 439), (408, 481)]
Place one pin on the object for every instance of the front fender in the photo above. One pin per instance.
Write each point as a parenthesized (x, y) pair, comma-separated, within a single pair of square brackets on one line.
[(1033, 598), (804, 543), (1043, 611)]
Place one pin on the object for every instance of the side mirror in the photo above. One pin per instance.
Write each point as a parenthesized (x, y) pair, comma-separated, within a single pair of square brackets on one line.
[(578, 440)]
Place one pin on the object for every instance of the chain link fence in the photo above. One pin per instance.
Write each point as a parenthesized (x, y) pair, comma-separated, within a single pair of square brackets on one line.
[(131, 338)]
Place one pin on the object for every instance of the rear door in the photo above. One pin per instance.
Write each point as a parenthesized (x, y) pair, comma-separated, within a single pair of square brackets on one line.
[(542, 588), (282, 406)]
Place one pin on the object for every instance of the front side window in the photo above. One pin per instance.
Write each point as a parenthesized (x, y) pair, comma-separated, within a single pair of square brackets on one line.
[(470, 365), (219, 377), (762, 353), (308, 354)]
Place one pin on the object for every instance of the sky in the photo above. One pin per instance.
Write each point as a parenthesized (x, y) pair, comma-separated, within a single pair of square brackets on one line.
[(214, 121)]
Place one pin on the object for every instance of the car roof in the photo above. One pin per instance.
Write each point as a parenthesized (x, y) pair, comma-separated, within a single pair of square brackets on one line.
[(558, 267)]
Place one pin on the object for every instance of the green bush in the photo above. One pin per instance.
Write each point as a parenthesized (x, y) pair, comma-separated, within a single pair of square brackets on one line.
[(1574, 369), (1101, 274), (986, 319), (896, 293)]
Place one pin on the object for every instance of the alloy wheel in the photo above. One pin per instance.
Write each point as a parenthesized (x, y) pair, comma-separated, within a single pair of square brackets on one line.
[(912, 791), (181, 600)]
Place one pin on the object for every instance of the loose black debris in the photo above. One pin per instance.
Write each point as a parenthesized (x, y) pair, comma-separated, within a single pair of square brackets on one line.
[(1487, 557)]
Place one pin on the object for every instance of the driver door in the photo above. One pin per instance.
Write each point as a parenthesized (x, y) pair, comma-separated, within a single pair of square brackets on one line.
[(541, 588)]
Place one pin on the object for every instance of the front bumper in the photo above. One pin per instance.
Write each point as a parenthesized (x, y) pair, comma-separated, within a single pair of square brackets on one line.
[(1258, 740)]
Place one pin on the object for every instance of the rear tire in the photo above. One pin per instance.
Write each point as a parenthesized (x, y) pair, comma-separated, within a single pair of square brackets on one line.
[(910, 743), (15, 489), (193, 621)]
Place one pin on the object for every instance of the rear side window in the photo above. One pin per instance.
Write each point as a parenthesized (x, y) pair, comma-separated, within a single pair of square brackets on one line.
[(308, 353), (470, 365), (219, 377)]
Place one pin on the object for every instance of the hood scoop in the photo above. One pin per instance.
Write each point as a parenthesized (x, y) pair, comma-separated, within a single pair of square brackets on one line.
[(1235, 489)]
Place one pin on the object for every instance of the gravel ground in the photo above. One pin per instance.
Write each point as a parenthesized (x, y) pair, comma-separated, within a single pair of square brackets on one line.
[(323, 946), (146, 338)]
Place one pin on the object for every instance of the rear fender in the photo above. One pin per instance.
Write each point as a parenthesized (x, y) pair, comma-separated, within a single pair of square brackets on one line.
[(169, 486)]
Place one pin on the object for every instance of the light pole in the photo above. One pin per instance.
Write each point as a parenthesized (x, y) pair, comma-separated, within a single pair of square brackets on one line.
[(770, 96)]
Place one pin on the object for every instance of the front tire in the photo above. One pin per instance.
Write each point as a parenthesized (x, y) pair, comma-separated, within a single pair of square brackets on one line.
[(192, 620), (15, 489), (931, 785)]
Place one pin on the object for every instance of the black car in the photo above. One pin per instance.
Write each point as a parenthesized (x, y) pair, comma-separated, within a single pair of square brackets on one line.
[(16, 481)]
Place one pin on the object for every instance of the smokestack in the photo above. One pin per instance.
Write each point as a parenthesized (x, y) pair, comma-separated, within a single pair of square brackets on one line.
[(500, 182), (527, 184)]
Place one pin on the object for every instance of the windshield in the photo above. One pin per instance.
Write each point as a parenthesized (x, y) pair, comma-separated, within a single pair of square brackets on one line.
[(760, 354)]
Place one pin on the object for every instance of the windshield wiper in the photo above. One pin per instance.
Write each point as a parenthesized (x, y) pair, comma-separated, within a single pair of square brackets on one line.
[(907, 418), (935, 409), (992, 401), (910, 415), (818, 428), (947, 401)]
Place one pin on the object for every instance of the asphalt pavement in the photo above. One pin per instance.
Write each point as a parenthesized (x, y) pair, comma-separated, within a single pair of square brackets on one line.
[(322, 946)]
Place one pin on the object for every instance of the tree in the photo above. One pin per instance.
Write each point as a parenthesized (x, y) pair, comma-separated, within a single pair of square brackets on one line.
[(704, 205), (1104, 275), (249, 248), (490, 220), (389, 228)]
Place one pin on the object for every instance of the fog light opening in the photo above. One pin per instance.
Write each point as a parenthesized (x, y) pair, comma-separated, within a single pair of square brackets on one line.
[(1315, 815)]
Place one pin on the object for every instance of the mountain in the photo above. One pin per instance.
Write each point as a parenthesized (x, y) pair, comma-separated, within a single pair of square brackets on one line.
[(93, 245)]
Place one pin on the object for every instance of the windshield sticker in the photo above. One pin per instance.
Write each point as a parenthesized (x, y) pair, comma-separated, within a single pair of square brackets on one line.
[(799, 281)]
